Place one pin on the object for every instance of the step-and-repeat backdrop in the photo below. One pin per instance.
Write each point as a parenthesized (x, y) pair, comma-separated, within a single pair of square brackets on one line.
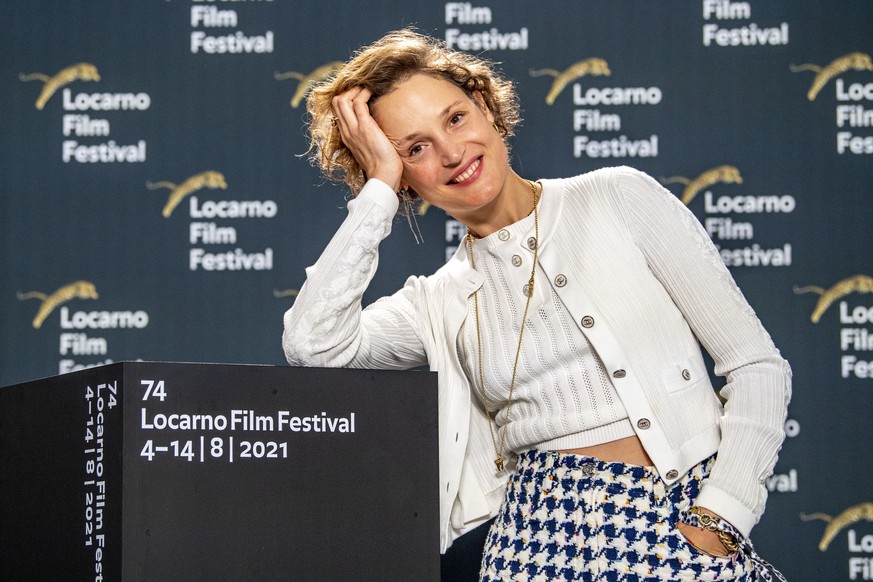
[(157, 202)]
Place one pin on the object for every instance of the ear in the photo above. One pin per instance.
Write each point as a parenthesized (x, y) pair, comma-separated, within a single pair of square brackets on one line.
[(480, 102)]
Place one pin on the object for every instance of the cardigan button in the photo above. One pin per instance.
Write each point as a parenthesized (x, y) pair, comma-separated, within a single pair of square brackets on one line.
[(587, 322), (560, 281), (686, 374), (620, 374), (672, 474), (643, 424), (532, 243), (526, 290), (516, 260), (503, 235)]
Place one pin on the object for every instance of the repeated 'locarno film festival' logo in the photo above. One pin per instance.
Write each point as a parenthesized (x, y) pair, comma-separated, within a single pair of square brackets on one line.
[(75, 339), (90, 115), (307, 80), (856, 339), (851, 117), (860, 566), (719, 175), (51, 83), (590, 66), (823, 74), (204, 230), (726, 217), (597, 122), (849, 285), (74, 290), (208, 179)]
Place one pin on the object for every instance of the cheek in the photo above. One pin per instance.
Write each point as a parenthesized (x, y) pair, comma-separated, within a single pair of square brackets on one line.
[(418, 177)]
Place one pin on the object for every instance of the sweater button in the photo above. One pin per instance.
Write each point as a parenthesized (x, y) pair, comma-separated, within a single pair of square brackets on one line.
[(532, 243), (672, 474), (560, 281), (516, 260), (587, 322), (686, 374), (503, 235), (643, 424), (620, 374)]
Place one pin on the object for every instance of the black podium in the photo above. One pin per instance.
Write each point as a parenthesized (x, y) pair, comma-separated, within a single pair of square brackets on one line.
[(159, 471)]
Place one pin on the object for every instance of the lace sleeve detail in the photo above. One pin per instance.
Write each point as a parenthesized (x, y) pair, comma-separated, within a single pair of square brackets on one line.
[(659, 215), (758, 380), (325, 326)]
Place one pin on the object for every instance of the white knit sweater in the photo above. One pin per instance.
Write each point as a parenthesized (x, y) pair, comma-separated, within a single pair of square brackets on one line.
[(562, 397), (636, 270)]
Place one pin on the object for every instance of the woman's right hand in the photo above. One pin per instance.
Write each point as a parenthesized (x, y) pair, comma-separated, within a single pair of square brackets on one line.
[(366, 140)]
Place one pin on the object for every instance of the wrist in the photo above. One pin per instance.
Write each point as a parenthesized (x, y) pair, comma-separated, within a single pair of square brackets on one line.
[(387, 174), (710, 521)]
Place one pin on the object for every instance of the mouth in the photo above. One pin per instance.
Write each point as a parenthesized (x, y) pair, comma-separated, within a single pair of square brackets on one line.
[(468, 173)]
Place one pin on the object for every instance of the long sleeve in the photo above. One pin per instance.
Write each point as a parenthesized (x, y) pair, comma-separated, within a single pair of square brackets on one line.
[(327, 326), (758, 380)]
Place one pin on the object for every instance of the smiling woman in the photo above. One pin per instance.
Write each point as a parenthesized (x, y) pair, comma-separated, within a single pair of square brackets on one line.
[(576, 412), (379, 68), (451, 155)]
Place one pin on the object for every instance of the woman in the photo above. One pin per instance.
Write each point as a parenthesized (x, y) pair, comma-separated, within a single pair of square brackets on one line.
[(565, 332)]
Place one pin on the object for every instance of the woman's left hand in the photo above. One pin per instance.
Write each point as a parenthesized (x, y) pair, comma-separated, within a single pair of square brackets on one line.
[(703, 539)]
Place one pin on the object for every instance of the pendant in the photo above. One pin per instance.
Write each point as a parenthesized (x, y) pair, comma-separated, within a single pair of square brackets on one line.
[(499, 462)]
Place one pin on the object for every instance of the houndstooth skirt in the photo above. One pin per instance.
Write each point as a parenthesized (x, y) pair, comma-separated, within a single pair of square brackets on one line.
[(570, 517)]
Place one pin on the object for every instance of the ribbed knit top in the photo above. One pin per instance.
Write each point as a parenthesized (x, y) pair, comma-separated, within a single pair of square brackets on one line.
[(563, 397)]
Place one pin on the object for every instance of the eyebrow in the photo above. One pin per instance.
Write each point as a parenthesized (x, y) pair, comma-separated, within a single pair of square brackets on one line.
[(443, 113)]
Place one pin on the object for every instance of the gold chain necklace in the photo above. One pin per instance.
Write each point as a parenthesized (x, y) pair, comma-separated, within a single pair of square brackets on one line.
[(498, 448)]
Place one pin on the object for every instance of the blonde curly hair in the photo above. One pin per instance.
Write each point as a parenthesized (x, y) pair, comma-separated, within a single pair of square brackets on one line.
[(380, 67)]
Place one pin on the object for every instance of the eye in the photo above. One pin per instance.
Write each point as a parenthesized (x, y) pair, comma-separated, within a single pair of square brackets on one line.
[(456, 118), (415, 149)]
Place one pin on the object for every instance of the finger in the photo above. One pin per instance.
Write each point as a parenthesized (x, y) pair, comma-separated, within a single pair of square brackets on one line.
[(356, 109), (361, 108), (343, 109), (362, 96)]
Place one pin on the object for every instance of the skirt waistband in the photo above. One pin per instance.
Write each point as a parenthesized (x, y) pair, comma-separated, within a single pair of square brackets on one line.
[(535, 461)]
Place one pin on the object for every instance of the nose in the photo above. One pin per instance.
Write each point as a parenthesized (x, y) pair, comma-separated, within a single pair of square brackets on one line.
[(451, 152)]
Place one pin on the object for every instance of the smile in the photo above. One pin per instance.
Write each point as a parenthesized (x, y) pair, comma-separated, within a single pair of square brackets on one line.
[(466, 174)]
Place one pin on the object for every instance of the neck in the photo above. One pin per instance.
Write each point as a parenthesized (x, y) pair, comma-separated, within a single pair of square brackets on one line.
[(514, 203)]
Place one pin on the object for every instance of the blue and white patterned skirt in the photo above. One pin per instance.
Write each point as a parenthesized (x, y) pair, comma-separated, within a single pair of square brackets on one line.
[(570, 517)]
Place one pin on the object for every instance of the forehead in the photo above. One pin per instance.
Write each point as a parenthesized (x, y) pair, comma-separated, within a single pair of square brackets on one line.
[(420, 97)]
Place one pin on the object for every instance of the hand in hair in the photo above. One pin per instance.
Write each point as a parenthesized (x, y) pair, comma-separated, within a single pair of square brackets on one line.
[(366, 140)]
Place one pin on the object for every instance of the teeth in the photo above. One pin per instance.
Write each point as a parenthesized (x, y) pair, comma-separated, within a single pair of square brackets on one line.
[(469, 171)]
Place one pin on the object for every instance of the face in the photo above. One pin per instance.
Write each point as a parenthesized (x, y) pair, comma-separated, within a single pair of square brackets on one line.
[(452, 155)]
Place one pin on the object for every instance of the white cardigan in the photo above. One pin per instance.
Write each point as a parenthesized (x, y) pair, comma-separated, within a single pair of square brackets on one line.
[(644, 282)]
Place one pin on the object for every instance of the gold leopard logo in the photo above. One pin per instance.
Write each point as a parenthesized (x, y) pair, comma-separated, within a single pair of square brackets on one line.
[(854, 284), (719, 174), (75, 290), (209, 179), (592, 66), (856, 513), (849, 62), (77, 72), (306, 81)]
